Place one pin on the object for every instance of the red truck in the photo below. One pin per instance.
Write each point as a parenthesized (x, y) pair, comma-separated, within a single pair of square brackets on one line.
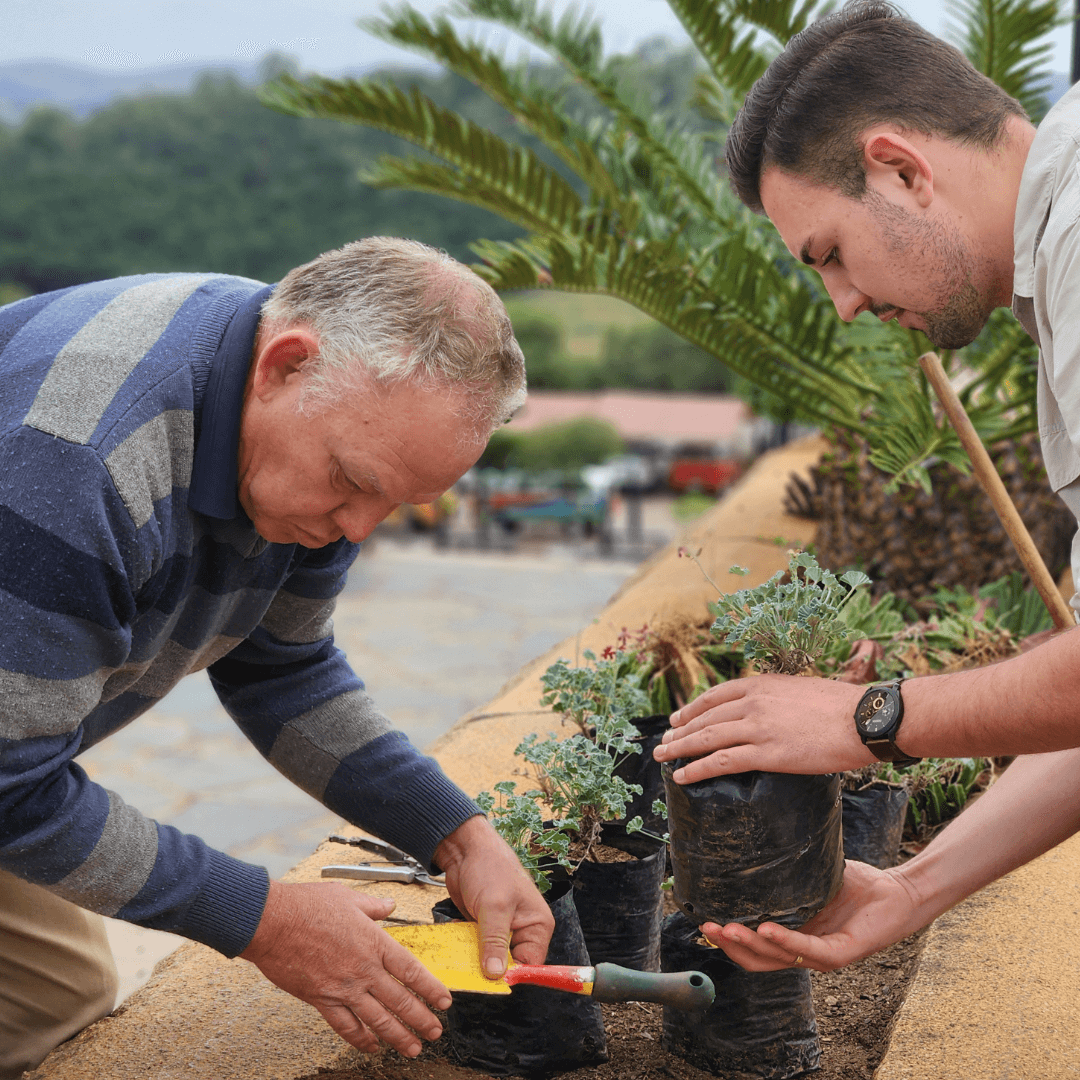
[(711, 475)]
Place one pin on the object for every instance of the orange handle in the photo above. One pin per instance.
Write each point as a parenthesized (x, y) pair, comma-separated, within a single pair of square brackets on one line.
[(574, 980), (988, 476)]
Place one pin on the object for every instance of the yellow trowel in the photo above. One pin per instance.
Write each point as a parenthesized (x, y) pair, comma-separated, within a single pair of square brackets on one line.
[(451, 952)]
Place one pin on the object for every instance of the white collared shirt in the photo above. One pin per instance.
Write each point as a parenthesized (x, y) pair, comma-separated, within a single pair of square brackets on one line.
[(1046, 293)]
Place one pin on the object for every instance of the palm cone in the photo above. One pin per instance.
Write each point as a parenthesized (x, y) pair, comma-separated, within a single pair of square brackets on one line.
[(912, 543)]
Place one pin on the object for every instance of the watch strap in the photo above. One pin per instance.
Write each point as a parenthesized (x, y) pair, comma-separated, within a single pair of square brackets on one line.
[(887, 750)]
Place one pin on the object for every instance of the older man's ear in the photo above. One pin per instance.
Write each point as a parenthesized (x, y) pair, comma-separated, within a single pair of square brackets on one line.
[(279, 357)]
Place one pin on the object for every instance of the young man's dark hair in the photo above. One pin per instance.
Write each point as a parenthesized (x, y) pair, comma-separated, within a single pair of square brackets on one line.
[(864, 64)]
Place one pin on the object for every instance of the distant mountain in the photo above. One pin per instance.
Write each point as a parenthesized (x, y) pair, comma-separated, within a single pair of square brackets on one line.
[(80, 89)]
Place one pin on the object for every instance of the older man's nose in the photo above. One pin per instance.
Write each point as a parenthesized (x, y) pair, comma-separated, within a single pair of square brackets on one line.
[(357, 522)]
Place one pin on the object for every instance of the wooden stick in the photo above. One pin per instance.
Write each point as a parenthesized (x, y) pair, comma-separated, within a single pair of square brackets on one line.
[(988, 476)]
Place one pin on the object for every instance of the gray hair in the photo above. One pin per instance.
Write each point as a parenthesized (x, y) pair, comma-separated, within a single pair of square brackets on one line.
[(389, 310)]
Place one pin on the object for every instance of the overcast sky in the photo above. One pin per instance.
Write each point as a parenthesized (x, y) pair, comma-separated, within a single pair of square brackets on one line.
[(321, 34)]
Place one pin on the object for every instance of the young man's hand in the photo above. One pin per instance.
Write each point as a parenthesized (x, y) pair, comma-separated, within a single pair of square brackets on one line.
[(776, 723), (873, 909)]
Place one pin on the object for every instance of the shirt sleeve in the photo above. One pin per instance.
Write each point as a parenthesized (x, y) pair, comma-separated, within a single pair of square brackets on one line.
[(74, 574), (293, 693), (1057, 280)]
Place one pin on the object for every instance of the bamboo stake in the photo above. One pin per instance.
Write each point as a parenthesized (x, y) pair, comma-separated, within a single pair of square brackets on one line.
[(988, 476)]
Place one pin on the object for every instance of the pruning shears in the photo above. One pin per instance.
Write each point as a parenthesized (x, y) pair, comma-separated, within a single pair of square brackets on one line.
[(400, 865)]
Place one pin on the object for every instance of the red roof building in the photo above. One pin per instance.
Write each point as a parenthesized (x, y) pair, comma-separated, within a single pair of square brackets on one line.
[(659, 421)]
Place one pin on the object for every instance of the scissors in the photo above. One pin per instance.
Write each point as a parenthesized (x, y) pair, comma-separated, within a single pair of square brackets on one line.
[(403, 868)]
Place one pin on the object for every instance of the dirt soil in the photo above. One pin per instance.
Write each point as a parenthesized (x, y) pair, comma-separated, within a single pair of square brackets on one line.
[(855, 1008)]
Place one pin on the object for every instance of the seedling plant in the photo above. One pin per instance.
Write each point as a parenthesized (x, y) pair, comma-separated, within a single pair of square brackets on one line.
[(558, 822), (791, 621)]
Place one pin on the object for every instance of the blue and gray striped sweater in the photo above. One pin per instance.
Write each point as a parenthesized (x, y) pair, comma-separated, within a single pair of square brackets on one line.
[(126, 563)]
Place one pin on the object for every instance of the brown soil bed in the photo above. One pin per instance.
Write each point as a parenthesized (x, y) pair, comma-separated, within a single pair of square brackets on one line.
[(855, 1008)]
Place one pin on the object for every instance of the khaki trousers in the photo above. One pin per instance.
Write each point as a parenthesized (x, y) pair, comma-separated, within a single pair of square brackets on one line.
[(56, 973)]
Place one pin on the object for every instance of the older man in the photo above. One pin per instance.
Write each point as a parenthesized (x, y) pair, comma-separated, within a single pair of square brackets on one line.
[(919, 191), (189, 464)]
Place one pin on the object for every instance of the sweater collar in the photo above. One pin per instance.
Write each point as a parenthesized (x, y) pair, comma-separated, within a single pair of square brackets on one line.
[(214, 474)]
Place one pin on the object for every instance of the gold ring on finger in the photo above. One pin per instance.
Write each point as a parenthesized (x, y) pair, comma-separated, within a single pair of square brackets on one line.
[(798, 960)]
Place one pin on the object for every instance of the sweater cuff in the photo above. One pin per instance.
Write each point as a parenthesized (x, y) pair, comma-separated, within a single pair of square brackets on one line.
[(438, 807), (229, 906)]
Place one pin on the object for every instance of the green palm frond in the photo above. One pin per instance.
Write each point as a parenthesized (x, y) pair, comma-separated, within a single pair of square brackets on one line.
[(1007, 41), (906, 436), (765, 327), (533, 105), (726, 32), (576, 43), (487, 171)]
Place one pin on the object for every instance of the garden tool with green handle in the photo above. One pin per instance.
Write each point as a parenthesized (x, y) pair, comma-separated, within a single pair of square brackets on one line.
[(451, 952)]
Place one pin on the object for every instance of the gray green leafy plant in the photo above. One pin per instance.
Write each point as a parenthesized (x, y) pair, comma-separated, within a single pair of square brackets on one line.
[(788, 623), (558, 822), (962, 628), (618, 193), (938, 789)]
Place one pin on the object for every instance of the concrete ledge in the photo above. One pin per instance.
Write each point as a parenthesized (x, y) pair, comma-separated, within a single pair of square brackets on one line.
[(997, 993)]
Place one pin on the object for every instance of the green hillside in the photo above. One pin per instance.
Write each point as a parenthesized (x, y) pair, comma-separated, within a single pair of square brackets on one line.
[(214, 180)]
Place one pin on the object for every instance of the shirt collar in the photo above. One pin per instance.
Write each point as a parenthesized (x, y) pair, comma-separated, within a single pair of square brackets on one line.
[(214, 474)]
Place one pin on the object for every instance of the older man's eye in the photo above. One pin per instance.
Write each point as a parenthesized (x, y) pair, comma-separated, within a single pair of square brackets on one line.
[(832, 255), (338, 476)]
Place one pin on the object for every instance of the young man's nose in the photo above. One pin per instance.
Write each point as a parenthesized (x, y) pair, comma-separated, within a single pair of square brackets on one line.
[(848, 301)]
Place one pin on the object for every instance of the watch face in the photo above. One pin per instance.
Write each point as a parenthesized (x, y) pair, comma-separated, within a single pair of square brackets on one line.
[(878, 711)]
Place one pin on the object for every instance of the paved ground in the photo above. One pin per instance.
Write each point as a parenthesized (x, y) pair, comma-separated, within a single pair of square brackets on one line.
[(434, 633)]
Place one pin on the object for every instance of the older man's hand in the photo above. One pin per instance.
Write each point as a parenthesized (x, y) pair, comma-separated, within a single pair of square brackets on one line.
[(321, 944), (486, 881)]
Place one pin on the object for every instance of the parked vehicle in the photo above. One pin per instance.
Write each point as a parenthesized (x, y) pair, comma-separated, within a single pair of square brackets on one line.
[(708, 474)]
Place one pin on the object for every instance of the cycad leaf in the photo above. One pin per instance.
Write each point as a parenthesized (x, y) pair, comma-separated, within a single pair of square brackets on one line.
[(575, 41), (530, 103), (488, 172), (727, 34), (1007, 41)]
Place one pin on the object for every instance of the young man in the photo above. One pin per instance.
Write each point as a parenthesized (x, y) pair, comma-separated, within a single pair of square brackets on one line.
[(919, 191), (189, 465)]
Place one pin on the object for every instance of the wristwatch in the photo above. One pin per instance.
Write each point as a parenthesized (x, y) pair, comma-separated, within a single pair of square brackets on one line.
[(877, 720)]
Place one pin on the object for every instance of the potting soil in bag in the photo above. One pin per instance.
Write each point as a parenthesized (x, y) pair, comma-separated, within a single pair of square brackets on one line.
[(620, 905), (644, 770), (874, 824), (760, 1022), (755, 846), (534, 1030)]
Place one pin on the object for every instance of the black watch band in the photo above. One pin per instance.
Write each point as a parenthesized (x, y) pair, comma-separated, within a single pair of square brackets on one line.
[(883, 744)]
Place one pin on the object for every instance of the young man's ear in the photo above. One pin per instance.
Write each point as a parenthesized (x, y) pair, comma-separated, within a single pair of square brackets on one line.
[(281, 357), (896, 169)]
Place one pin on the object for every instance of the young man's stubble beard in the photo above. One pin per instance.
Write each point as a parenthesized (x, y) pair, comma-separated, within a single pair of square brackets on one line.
[(940, 253)]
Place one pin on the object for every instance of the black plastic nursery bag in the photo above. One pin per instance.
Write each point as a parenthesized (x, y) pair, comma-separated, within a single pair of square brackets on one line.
[(755, 846), (535, 1031), (760, 1022)]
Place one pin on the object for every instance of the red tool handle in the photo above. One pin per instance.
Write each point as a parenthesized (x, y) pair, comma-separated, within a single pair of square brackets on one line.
[(574, 980)]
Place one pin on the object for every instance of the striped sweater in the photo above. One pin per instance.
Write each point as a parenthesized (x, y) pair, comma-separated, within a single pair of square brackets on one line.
[(126, 562)]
